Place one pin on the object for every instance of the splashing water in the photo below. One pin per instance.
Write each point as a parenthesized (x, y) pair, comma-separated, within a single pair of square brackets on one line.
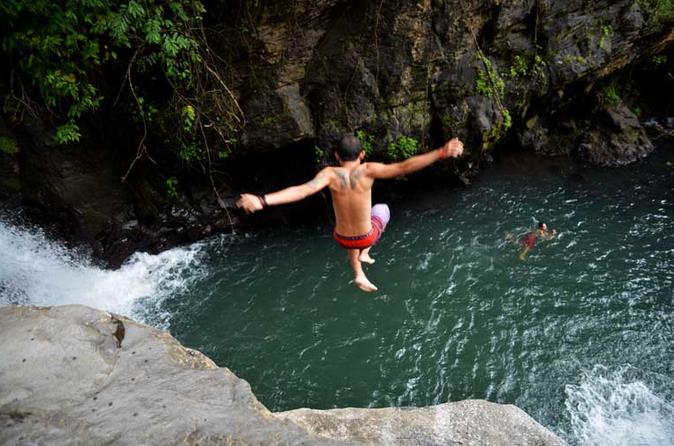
[(617, 408), (37, 271)]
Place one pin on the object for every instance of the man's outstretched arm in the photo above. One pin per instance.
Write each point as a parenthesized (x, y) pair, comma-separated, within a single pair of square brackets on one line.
[(252, 203), (452, 149)]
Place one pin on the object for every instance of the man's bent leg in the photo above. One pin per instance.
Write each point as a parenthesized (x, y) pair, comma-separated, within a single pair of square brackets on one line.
[(525, 253), (382, 213), (359, 278)]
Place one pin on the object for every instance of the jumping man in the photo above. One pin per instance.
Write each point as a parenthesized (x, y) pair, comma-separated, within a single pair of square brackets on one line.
[(359, 225)]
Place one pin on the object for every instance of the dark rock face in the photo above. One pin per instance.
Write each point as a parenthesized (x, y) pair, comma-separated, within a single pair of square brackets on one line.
[(619, 139), (400, 68), (487, 71), (76, 375)]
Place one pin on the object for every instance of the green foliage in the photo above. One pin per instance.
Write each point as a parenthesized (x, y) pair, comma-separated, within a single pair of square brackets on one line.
[(319, 154), (172, 188), (611, 95), (519, 68), (606, 33), (507, 119), (63, 48), (658, 60), (68, 132), (405, 147), (524, 66), (189, 118), (8, 145), (637, 111), (366, 141), (224, 154), (488, 81), (658, 12), (269, 121), (482, 85), (188, 152)]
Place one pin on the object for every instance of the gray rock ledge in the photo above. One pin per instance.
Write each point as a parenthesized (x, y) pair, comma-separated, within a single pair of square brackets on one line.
[(74, 375)]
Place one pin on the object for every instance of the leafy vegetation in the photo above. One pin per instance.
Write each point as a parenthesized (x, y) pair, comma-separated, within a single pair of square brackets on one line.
[(488, 81), (606, 33), (507, 119), (658, 12), (62, 47), (366, 141), (658, 60), (172, 188), (611, 95), (319, 155), (523, 66), (68, 59), (405, 147)]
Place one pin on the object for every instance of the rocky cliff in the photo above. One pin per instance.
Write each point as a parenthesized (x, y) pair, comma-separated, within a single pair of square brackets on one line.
[(76, 375), (556, 77)]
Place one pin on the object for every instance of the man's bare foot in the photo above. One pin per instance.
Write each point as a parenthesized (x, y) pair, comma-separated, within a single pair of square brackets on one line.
[(364, 284), (365, 258)]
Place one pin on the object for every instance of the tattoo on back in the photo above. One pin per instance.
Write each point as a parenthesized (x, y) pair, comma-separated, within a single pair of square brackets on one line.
[(342, 178), (355, 176)]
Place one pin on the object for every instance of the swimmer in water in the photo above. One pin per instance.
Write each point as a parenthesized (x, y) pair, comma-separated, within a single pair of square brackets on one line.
[(531, 238), (358, 224)]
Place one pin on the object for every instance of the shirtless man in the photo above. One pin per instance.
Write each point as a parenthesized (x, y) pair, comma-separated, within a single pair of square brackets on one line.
[(358, 225)]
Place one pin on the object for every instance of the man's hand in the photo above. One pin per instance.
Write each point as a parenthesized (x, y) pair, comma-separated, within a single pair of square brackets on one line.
[(250, 203), (453, 149)]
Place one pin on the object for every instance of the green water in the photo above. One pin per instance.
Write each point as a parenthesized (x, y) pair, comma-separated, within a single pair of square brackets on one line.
[(581, 335)]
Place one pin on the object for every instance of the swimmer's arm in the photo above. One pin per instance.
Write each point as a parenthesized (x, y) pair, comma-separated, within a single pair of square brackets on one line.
[(453, 148), (551, 235), (253, 203)]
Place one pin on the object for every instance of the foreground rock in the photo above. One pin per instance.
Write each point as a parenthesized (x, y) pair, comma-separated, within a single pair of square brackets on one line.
[(76, 375)]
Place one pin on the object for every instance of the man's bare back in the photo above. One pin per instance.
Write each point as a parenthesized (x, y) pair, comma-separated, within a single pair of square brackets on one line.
[(351, 189)]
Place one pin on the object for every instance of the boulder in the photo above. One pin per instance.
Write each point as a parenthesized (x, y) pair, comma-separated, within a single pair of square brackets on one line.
[(76, 375), (616, 139)]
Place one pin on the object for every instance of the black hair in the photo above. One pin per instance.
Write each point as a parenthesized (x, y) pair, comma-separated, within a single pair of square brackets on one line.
[(349, 147), (540, 224)]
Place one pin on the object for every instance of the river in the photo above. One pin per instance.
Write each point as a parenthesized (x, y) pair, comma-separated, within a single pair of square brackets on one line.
[(580, 335)]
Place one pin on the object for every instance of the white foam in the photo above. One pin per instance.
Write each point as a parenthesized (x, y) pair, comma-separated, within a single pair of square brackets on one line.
[(616, 408), (38, 271)]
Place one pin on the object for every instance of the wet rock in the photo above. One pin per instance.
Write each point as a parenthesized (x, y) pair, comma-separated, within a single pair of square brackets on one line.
[(126, 412), (48, 400), (544, 136), (463, 422), (618, 139)]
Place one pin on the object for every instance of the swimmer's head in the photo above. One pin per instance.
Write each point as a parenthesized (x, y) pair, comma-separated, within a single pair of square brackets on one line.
[(349, 148), (542, 226)]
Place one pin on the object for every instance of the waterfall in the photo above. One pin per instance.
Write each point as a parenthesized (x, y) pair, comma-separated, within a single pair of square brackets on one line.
[(35, 270)]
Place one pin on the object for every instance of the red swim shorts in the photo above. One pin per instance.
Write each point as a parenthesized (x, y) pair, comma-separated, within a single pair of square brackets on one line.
[(362, 241)]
